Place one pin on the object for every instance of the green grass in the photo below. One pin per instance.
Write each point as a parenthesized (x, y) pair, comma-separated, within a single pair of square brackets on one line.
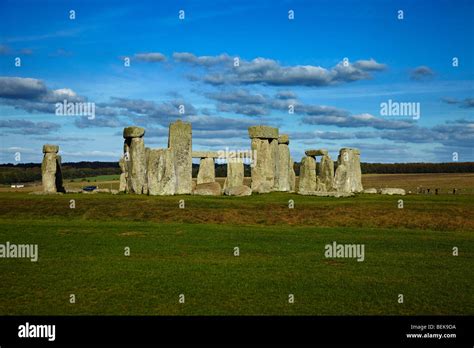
[(174, 251), (96, 178)]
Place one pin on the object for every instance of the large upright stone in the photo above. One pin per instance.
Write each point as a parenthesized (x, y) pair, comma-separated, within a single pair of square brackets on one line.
[(135, 153), (292, 176), (348, 176), (285, 164), (265, 164), (262, 169), (161, 172), (123, 175), (307, 184), (207, 172), (235, 173), (326, 173), (51, 174), (274, 150), (180, 143)]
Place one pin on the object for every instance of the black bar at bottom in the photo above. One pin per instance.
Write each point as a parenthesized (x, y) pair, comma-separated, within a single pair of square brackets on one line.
[(222, 330)]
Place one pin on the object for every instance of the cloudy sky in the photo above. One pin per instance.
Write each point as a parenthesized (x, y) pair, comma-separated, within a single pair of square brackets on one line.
[(231, 64)]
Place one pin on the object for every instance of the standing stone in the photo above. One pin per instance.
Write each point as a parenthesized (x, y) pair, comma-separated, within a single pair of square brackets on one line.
[(292, 176), (180, 143), (326, 173), (160, 172), (207, 172), (285, 164), (123, 175), (235, 173), (348, 176), (136, 180), (274, 150), (264, 168), (307, 182), (51, 170)]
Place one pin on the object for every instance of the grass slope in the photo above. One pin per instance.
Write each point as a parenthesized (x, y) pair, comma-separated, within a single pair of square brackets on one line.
[(81, 251)]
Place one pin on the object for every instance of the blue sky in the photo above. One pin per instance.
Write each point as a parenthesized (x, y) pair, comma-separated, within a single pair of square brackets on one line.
[(282, 62)]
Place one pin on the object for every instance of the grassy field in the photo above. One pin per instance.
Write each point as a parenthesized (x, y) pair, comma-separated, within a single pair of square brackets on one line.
[(190, 251), (98, 178)]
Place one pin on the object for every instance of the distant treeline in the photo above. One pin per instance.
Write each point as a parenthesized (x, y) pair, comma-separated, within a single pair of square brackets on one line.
[(27, 172), (409, 168)]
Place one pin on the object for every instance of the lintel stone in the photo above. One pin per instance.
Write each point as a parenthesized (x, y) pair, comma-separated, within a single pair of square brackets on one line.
[(205, 154), (48, 148), (133, 132), (318, 152), (263, 132)]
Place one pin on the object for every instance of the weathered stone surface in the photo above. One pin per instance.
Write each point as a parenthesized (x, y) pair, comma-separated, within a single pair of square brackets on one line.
[(262, 187), (123, 175), (235, 174), (208, 189), (161, 172), (133, 132), (292, 176), (48, 172), (307, 183), (122, 164), (263, 132), (275, 163), (371, 190), (123, 183), (136, 166), (48, 148), (102, 190), (204, 154), (284, 168), (348, 176), (51, 173), (326, 173), (283, 139), (263, 168), (392, 191), (180, 143), (207, 172), (318, 152), (241, 190)]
